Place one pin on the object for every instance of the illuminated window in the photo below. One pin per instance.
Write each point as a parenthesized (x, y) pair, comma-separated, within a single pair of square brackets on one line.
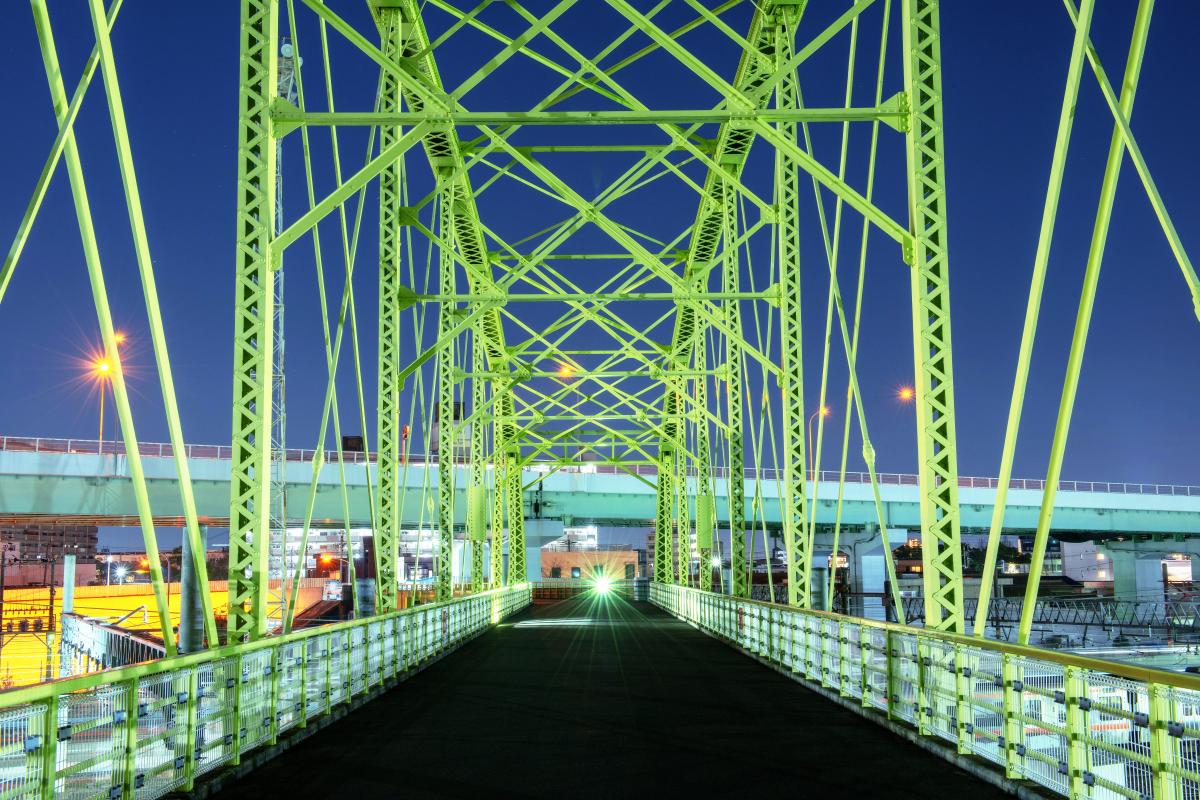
[(576, 572)]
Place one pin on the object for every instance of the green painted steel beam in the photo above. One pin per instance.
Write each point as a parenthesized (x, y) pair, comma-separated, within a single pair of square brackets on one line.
[(936, 443), (253, 322), (287, 119)]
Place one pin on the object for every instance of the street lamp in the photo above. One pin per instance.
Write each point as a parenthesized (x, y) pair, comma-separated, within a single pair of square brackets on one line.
[(905, 394), (102, 369)]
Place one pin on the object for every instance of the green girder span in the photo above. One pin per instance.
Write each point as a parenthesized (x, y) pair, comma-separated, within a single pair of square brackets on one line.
[(253, 324), (941, 551)]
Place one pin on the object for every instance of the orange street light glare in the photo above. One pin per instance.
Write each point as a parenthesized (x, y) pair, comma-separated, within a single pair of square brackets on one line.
[(826, 411), (565, 370), (102, 367), (905, 394)]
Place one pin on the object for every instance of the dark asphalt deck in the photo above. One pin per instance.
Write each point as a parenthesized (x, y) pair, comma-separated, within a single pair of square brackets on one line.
[(587, 698)]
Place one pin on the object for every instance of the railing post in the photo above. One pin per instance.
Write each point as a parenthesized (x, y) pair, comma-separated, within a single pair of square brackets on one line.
[(327, 656), (237, 711), (964, 677), (924, 712), (1074, 689), (276, 658), (1013, 728), (893, 693), (864, 647), (303, 689), (189, 756), (843, 661), (1162, 748), (47, 753), (129, 767)]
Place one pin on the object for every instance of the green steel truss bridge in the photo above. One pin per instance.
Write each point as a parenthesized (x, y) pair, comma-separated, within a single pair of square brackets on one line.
[(531, 312)]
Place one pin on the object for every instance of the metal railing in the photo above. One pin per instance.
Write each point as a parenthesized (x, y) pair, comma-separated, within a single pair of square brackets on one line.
[(1079, 727), (26, 444), (146, 730)]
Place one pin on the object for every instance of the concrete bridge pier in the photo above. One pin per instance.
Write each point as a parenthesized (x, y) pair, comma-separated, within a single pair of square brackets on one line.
[(867, 571), (1137, 566)]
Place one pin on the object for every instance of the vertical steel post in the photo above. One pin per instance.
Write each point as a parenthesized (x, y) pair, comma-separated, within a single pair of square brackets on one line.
[(444, 557), (253, 323), (477, 491), (389, 431), (941, 550), (496, 576), (516, 518), (704, 485), (682, 523), (732, 317), (664, 495), (787, 223)]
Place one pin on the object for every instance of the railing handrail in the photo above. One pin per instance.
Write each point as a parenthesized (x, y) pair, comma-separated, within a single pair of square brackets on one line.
[(41, 691), (1133, 672), (40, 444)]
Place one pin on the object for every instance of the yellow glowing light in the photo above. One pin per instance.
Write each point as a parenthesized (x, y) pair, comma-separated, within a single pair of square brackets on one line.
[(565, 371), (906, 393), (103, 366), (826, 411), (119, 337)]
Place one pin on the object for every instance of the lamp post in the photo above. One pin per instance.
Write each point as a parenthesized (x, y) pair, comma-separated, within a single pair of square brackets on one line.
[(102, 368), (824, 411)]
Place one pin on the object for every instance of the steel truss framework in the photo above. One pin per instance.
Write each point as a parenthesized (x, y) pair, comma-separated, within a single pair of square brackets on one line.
[(602, 332), (541, 398)]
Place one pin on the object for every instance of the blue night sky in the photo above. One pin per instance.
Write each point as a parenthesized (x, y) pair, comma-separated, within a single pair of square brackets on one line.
[(1003, 76)]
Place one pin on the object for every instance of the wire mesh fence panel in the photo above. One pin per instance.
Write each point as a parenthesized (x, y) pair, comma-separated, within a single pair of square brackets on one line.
[(1044, 716), (160, 763), (374, 664), (92, 735), (289, 688), (1119, 762), (339, 678), (358, 660), (316, 675), (905, 700), (215, 686), (830, 654), (1179, 714), (939, 687), (852, 672), (983, 673), (388, 647), (876, 667), (254, 699), (812, 648), (23, 741)]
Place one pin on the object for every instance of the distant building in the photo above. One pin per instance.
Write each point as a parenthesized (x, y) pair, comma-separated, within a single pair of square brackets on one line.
[(50, 542), (616, 563)]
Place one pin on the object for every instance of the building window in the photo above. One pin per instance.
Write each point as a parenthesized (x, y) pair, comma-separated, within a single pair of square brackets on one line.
[(556, 572), (630, 571), (575, 572)]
